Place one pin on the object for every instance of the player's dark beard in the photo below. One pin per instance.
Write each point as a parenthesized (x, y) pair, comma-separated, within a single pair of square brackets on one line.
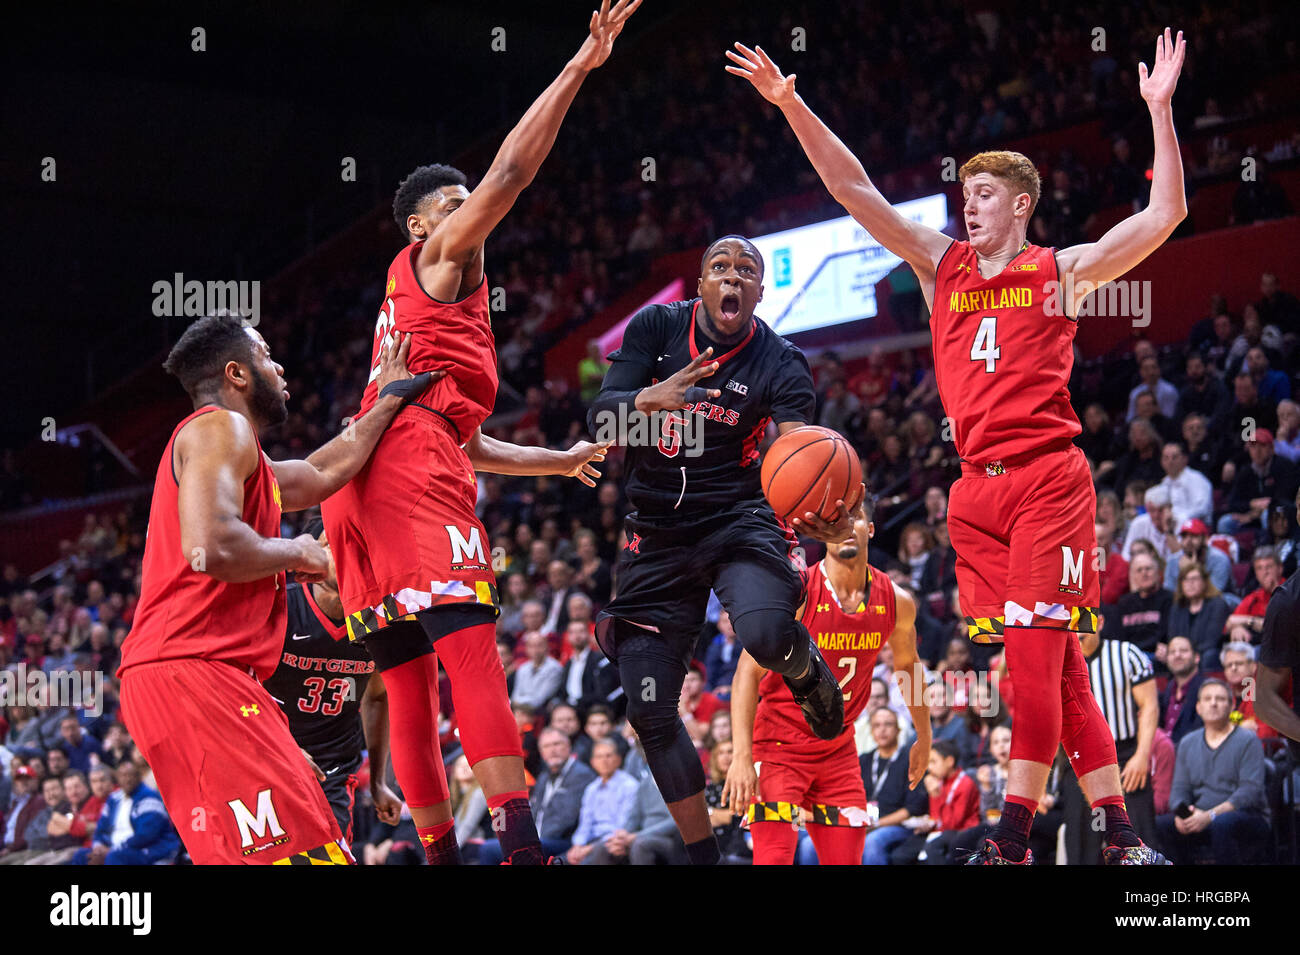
[(267, 403)]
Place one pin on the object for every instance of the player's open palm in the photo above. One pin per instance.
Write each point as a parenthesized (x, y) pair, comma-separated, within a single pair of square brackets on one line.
[(741, 786), (757, 67), (580, 463), (606, 25), (1157, 88)]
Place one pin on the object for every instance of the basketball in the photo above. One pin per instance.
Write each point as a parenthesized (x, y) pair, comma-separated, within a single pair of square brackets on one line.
[(809, 469)]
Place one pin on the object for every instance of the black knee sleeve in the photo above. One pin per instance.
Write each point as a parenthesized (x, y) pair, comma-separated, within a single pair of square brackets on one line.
[(652, 682), (775, 639), (398, 643)]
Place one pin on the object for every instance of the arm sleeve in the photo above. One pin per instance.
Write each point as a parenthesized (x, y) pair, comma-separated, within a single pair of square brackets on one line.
[(793, 397)]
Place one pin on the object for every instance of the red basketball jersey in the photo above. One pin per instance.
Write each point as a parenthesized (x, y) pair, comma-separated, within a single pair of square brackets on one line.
[(452, 336), (848, 642), (184, 613), (1003, 354)]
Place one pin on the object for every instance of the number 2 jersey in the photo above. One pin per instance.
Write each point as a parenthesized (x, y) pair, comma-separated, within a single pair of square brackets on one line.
[(704, 457), (1003, 351), (319, 683), (849, 642)]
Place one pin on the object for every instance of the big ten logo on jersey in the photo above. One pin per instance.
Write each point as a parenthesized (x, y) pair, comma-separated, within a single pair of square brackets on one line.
[(1071, 571), (385, 327), (466, 548), (260, 830)]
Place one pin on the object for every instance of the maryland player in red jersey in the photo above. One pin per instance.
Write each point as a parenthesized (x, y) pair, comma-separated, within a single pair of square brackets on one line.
[(211, 617), (412, 559), (821, 780), (1003, 316)]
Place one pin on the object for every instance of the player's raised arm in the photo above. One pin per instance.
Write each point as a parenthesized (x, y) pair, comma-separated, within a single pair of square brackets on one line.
[(1132, 240), (214, 455), (502, 457), (908, 676), (461, 235), (307, 482), (918, 245), (741, 787)]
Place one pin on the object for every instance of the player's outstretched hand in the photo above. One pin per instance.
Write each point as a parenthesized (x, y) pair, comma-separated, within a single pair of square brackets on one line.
[(757, 67), (314, 564), (1158, 88), (320, 773), (387, 806), (741, 787), (606, 25), (581, 456), (828, 532), (680, 389)]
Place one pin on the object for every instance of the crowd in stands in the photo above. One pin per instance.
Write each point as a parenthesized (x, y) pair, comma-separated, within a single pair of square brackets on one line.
[(1195, 449)]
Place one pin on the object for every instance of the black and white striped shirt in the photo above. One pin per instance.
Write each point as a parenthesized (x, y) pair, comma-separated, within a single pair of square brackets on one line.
[(1114, 670)]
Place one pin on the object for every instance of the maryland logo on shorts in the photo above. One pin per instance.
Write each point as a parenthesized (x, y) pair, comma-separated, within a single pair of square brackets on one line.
[(818, 814)]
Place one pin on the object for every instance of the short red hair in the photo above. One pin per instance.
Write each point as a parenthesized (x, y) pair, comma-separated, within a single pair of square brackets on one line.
[(1013, 168)]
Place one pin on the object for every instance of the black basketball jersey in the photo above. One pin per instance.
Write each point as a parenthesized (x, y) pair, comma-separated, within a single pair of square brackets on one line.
[(319, 682), (706, 456)]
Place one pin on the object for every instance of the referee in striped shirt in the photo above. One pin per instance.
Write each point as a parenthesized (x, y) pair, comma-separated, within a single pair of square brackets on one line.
[(1125, 687)]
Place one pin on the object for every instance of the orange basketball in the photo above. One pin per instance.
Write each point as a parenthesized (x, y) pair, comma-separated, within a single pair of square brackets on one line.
[(809, 469)]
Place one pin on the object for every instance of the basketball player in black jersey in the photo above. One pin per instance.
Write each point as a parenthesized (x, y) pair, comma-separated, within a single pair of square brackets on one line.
[(335, 701), (701, 521)]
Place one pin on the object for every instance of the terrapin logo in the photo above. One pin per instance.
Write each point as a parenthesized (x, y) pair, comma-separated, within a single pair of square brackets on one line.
[(75, 908)]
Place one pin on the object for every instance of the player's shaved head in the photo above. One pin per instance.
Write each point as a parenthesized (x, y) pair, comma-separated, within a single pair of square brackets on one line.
[(199, 357), (749, 247), (422, 183)]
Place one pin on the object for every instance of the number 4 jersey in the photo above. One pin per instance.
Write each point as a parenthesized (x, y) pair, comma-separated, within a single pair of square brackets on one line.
[(1003, 351), (319, 683)]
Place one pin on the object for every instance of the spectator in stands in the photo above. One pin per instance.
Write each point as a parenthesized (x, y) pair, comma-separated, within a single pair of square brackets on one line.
[(884, 774), (540, 678), (593, 574), (1204, 393), (697, 705), (586, 678), (954, 807), (559, 582), (1259, 198), (117, 745), (720, 659), (133, 828), (1194, 536), (1199, 612), (649, 837), (1249, 415), (598, 725), (1286, 442), (947, 724), (1268, 480), (1111, 513), (606, 803), (1097, 440), (1166, 395), (1191, 495), (1144, 611), (64, 842), (1219, 776), (1284, 537), (726, 820), (515, 593), (1247, 622), (36, 839), (1204, 449), (1273, 386), (507, 654), (564, 718), (25, 802), (1178, 713), (1156, 525), (914, 546), (1141, 462), (1218, 346), (1254, 334), (1113, 568), (56, 760), (591, 371), (1239, 668), (1276, 307), (87, 805)]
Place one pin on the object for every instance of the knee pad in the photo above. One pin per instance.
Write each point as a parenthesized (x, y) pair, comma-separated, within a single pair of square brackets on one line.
[(1035, 661), (775, 639)]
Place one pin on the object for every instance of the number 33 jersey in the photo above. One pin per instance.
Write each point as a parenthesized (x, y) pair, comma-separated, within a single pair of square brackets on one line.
[(1003, 351), (320, 681)]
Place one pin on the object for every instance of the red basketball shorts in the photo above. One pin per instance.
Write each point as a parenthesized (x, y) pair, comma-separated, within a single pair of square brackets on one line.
[(819, 781), (236, 785), (403, 531), (1026, 544)]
